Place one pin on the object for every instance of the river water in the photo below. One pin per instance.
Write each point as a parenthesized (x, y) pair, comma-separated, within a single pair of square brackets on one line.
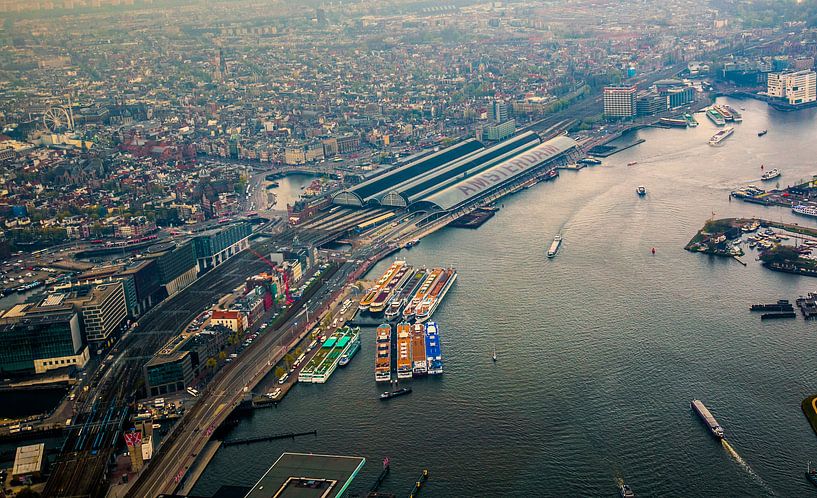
[(600, 350)]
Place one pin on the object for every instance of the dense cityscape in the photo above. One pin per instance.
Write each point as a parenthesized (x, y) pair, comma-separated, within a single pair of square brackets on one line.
[(206, 204)]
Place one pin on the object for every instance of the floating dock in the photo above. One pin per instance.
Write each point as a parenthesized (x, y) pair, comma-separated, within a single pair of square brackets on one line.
[(474, 219), (325, 361)]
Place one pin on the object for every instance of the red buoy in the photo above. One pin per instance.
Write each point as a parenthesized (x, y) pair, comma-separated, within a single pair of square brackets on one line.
[(653, 250)]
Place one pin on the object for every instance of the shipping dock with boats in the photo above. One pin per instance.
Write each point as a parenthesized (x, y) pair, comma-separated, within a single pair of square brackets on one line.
[(416, 351), (374, 292), (403, 293), (343, 342)]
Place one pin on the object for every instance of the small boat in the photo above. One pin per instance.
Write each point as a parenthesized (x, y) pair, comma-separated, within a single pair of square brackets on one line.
[(625, 491), (554, 246), (762, 132), (395, 393), (811, 474), (771, 174), (494, 355), (633, 163), (641, 190)]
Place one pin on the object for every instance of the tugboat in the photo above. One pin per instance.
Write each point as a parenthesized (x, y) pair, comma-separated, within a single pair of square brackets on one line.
[(811, 474), (762, 132), (641, 190), (625, 491), (393, 394)]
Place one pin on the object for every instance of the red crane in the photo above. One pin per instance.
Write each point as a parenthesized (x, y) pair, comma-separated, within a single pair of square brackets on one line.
[(281, 271)]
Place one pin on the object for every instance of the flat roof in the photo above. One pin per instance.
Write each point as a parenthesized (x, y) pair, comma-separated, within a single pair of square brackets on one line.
[(301, 475), (29, 459)]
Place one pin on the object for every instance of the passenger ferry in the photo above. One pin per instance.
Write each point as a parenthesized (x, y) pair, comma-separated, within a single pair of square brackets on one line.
[(418, 350), (805, 210), (374, 292), (435, 296), (420, 294), (722, 135), (382, 359), (326, 360), (386, 291), (715, 117), (554, 246), (434, 360), (404, 369), (404, 294), (771, 174)]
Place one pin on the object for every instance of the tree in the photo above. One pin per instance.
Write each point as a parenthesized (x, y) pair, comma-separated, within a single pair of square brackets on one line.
[(289, 360), (279, 372), (211, 362), (298, 351), (222, 355)]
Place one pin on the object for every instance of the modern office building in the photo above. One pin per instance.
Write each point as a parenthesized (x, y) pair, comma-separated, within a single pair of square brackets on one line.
[(796, 87), (499, 131), (620, 101), (145, 277), (168, 373), (499, 111), (214, 247), (38, 337), (176, 265), (102, 310)]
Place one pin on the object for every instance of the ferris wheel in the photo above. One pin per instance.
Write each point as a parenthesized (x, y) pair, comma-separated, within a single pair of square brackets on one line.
[(57, 119)]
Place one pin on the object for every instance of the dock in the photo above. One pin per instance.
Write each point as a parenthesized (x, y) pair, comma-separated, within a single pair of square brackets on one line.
[(274, 437), (808, 305)]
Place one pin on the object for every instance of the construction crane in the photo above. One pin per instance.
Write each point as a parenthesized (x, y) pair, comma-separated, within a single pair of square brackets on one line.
[(278, 269)]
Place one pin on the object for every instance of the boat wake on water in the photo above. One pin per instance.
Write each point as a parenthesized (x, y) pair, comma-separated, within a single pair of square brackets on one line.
[(740, 461)]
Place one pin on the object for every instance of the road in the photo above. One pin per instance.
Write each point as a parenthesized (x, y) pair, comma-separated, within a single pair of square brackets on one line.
[(226, 391)]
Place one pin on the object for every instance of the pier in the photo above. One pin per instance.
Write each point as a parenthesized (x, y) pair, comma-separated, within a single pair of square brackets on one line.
[(261, 439)]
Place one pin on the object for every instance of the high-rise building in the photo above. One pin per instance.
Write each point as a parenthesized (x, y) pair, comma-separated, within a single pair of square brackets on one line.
[(102, 309), (797, 87), (499, 111), (620, 101)]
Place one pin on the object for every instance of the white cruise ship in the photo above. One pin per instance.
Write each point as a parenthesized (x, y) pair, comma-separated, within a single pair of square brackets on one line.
[(721, 135), (805, 210)]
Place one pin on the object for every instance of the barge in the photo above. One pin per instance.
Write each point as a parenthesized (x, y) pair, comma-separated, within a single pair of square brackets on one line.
[(703, 412), (382, 359), (554, 246)]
